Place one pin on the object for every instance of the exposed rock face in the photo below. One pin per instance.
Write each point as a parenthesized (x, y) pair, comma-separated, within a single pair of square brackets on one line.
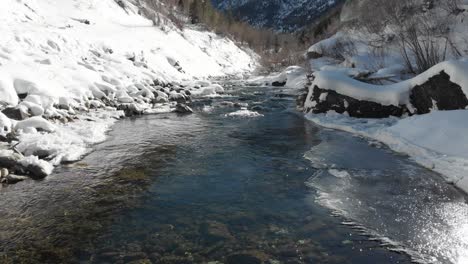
[(438, 93), (282, 15), (327, 100)]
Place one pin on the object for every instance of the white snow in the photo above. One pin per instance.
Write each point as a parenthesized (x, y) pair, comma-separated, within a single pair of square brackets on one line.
[(438, 141), (244, 113), (66, 67), (294, 77)]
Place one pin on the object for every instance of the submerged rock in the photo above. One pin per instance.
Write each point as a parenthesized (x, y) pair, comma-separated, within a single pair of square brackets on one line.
[(215, 231), (242, 259)]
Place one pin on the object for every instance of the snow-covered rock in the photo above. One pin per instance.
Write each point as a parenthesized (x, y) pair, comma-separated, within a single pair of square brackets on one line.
[(36, 122), (293, 77), (443, 87)]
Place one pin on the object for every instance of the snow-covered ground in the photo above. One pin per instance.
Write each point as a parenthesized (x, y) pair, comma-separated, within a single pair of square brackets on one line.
[(293, 77), (65, 57), (438, 141)]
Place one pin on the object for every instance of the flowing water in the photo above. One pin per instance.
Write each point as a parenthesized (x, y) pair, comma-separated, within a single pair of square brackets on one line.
[(217, 188)]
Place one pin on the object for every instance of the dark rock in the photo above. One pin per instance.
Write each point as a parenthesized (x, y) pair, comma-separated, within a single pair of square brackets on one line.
[(355, 108), (9, 161), (15, 113), (242, 259), (130, 109), (215, 231), (178, 97), (36, 172), (22, 96), (440, 90), (278, 84), (12, 179), (121, 3), (9, 137), (313, 55), (436, 93), (183, 109)]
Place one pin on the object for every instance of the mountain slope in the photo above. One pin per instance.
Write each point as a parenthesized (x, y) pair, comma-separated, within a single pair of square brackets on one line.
[(283, 15)]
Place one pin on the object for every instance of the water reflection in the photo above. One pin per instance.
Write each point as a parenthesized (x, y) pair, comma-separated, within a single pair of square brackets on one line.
[(391, 198)]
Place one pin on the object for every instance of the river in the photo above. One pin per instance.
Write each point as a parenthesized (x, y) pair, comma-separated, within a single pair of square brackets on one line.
[(214, 188)]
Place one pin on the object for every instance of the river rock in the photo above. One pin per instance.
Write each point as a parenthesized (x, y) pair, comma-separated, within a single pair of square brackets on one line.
[(178, 97), (130, 109), (183, 109), (4, 172), (278, 84), (15, 113), (328, 100), (215, 231), (9, 159), (12, 179), (242, 259), (36, 172)]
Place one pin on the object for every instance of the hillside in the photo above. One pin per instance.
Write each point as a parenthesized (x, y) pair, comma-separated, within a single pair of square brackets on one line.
[(60, 59), (282, 15)]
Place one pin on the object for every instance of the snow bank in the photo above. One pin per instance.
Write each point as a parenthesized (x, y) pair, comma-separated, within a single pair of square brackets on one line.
[(293, 77), (67, 57), (438, 141), (395, 94)]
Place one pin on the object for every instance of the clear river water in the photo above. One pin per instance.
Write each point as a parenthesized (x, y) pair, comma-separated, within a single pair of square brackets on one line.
[(214, 188)]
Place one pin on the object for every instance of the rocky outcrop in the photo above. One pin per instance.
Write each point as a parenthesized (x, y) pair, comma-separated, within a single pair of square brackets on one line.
[(437, 93), (327, 100)]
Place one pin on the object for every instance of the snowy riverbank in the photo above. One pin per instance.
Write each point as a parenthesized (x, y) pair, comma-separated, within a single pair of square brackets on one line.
[(68, 67), (438, 141)]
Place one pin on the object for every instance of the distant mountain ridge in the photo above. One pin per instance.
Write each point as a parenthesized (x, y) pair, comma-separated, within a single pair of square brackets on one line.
[(282, 15)]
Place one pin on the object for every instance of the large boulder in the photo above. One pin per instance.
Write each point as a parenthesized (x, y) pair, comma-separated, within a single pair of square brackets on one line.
[(328, 100), (438, 93)]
